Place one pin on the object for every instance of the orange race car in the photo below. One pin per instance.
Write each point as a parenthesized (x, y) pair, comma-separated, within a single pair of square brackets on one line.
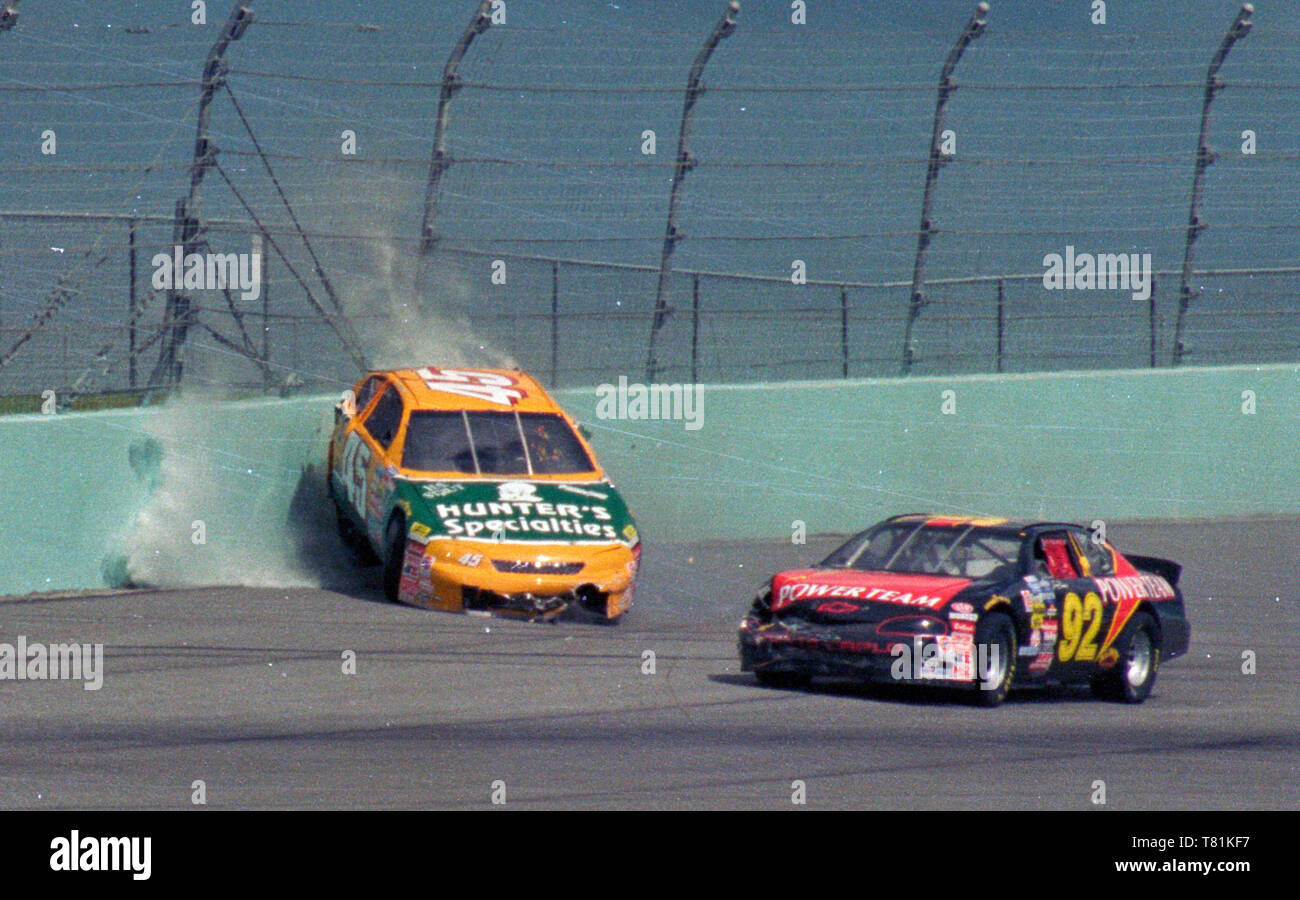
[(477, 492)]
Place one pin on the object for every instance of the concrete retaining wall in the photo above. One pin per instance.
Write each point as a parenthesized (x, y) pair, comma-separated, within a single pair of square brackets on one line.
[(88, 494)]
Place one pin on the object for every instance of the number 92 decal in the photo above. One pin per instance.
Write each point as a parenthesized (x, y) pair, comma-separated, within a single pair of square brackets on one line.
[(1080, 622)]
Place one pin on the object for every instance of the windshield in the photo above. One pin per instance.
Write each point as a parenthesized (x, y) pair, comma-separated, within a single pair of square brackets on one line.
[(962, 551), (493, 443)]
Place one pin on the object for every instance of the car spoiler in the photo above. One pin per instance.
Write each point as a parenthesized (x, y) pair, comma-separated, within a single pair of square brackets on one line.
[(1165, 568)]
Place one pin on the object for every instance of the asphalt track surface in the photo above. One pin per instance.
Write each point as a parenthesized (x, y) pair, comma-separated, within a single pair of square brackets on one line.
[(243, 688)]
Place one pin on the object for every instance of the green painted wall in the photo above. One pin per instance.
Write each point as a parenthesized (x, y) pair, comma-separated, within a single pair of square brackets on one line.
[(81, 490), (840, 455), (834, 455)]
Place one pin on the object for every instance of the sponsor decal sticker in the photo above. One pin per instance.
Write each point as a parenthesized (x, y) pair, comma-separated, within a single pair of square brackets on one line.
[(1047, 648), (1040, 588), (791, 593), (959, 655), (410, 570), (1116, 588), (518, 492), (517, 511), (1127, 593), (838, 608)]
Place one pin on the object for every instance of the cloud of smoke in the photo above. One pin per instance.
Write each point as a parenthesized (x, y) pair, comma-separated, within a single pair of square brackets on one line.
[(218, 506), (231, 499), (409, 311)]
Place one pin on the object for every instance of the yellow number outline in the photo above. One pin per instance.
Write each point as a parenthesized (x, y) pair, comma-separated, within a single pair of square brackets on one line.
[(1075, 643)]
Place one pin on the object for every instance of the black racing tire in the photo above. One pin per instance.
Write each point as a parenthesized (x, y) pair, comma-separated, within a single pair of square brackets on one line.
[(353, 538), (788, 681), (996, 630), (394, 556), (1134, 674)]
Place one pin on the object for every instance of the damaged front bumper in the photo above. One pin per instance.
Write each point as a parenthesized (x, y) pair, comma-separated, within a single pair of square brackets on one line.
[(538, 583), (859, 653)]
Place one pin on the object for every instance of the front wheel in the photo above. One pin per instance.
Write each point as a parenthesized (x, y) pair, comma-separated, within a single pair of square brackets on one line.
[(394, 557), (995, 656), (1134, 674)]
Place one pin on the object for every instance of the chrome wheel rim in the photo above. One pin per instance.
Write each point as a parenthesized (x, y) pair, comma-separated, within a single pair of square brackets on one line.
[(1139, 659)]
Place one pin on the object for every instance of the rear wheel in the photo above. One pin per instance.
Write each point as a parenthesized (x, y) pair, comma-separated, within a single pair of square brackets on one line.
[(394, 556), (352, 537), (1134, 674), (995, 644)]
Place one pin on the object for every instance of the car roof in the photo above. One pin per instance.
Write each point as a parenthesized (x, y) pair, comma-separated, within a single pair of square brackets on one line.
[(993, 523), (472, 389)]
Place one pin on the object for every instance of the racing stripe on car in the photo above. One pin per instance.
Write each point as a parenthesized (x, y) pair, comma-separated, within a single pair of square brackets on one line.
[(1124, 609), (1127, 593)]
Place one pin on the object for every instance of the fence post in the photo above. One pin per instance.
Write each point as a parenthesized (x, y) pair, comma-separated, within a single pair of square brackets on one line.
[(684, 163), (844, 331), (695, 329), (1204, 156), (974, 28), (266, 311), (185, 231), (131, 313), (1154, 320), (439, 163), (1002, 324), (555, 323)]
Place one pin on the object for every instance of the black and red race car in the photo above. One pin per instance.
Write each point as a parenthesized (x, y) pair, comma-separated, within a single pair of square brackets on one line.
[(982, 604)]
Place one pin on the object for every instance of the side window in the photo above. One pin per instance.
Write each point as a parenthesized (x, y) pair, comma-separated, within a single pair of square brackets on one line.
[(384, 419), (1101, 561), (1052, 556), (368, 390)]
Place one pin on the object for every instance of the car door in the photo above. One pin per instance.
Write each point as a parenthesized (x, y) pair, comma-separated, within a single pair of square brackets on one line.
[(1078, 623), (1119, 596), (349, 412), (364, 464)]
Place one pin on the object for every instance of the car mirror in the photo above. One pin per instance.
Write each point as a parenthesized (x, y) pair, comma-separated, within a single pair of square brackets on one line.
[(347, 405)]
